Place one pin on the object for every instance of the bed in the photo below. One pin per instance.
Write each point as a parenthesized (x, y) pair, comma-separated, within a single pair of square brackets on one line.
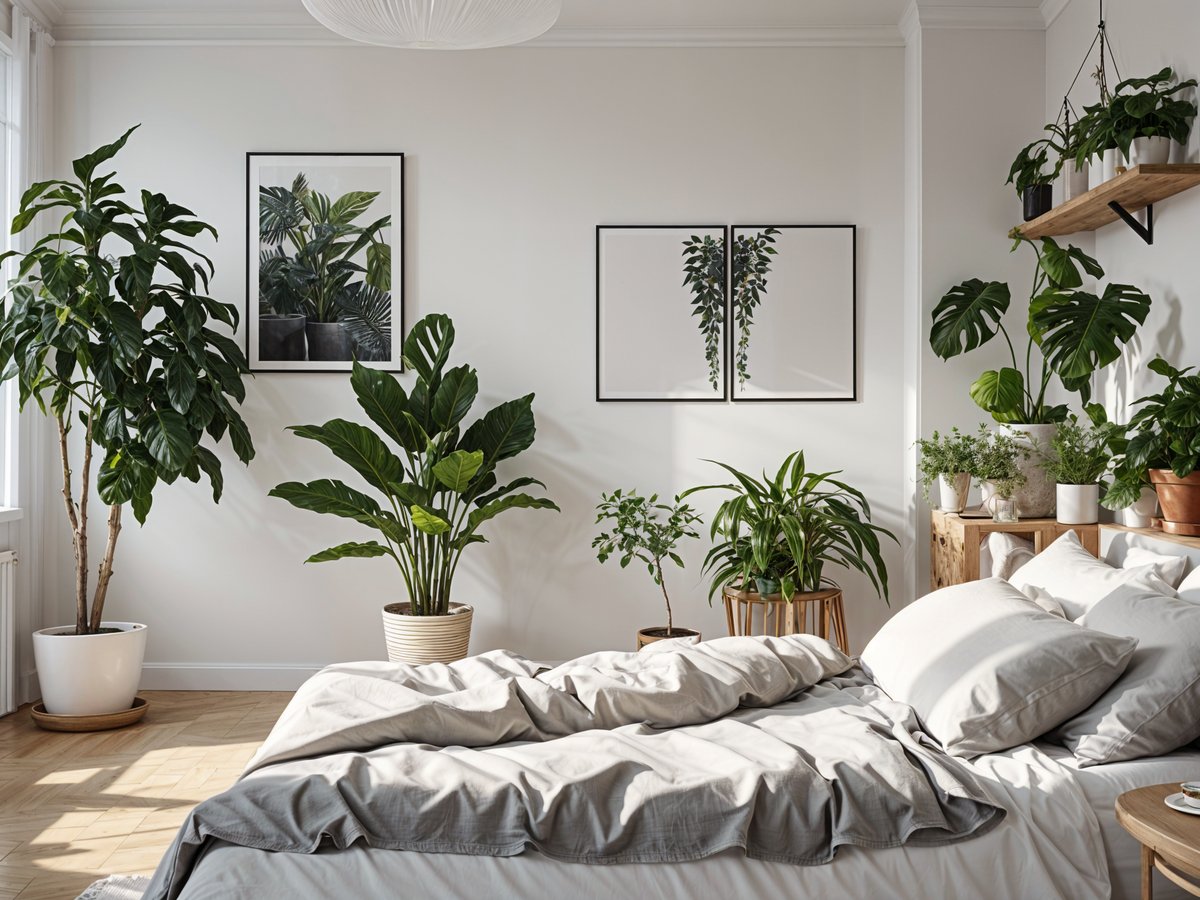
[(1028, 821)]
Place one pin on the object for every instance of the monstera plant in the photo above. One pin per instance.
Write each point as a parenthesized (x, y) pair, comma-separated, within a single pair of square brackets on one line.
[(1071, 333), (436, 487), (108, 328)]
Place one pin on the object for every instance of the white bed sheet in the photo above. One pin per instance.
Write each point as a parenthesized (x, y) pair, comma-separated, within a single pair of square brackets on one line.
[(1047, 847), (1102, 785)]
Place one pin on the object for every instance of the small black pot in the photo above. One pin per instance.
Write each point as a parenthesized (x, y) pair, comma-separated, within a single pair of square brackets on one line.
[(1037, 200)]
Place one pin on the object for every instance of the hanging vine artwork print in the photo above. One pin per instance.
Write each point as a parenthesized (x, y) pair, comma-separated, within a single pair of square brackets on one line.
[(656, 286), (751, 264), (324, 261)]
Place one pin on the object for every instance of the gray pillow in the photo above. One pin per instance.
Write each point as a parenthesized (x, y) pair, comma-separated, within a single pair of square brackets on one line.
[(1154, 707), (986, 670)]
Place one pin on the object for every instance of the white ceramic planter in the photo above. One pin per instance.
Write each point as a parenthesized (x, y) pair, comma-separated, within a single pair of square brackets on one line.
[(1074, 181), (89, 674), (1104, 167), (952, 492), (1150, 150), (417, 640), (1140, 514), (1035, 500), (1078, 504)]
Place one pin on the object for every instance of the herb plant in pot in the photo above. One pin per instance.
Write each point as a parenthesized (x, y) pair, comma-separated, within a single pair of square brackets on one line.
[(1164, 448), (1070, 333), (643, 529), (1147, 116), (1077, 459), (791, 526), (438, 485), (1034, 184), (107, 329), (997, 466), (947, 459)]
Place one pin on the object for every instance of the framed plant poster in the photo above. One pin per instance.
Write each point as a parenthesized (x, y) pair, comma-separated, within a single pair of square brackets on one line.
[(661, 312), (324, 261), (793, 318)]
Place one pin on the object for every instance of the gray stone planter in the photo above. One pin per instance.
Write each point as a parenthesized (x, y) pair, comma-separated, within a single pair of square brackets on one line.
[(328, 342), (281, 337)]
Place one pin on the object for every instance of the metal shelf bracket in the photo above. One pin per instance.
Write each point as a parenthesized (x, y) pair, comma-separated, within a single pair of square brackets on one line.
[(1145, 232)]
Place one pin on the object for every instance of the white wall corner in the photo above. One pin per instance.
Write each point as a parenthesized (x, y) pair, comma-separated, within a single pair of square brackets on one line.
[(910, 22), (1052, 9)]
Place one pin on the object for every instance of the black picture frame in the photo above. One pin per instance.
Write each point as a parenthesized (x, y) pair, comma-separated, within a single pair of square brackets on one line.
[(853, 396), (725, 349), (398, 263)]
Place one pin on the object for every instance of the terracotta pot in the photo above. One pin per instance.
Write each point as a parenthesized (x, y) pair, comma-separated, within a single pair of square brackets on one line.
[(651, 635), (1179, 499), (416, 640)]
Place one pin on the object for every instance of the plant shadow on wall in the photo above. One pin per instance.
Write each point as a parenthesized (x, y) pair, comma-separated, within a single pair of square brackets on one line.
[(438, 490), (325, 281), (120, 345)]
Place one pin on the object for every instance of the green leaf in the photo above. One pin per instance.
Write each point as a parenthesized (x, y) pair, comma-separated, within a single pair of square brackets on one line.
[(85, 166), (1083, 333), (457, 469), (1060, 265), (358, 447), (454, 397), (427, 347), (350, 206), (385, 402), (512, 501), (351, 550), (428, 522), (166, 435), (1001, 393), (503, 432), (181, 382), (967, 317)]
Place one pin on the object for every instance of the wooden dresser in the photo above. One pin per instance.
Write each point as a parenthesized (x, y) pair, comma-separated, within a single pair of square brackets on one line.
[(954, 543)]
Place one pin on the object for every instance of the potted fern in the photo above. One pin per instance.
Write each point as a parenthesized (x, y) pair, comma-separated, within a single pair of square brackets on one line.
[(437, 486), (107, 329), (648, 531)]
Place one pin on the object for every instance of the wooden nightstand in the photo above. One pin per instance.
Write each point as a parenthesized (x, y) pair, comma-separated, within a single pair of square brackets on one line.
[(1170, 840), (955, 540)]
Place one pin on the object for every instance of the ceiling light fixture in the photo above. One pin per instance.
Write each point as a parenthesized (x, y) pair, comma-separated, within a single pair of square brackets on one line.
[(437, 24)]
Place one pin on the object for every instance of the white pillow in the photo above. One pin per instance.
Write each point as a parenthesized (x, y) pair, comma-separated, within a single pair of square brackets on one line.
[(1074, 577), (986, 670), (1189, 588), (1008, 553), (1169, 568), (1042, 599)]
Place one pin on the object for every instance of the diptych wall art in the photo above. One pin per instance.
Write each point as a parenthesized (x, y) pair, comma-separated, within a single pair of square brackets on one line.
[(325, 252), (750, 313)]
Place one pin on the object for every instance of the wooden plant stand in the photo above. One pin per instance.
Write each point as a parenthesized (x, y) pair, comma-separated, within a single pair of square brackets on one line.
[(819, 612)]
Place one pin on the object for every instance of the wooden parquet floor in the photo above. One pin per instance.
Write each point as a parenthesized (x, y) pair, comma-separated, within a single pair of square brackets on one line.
[(77, 807)]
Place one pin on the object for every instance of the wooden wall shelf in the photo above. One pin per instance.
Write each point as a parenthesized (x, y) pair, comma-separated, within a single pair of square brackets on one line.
[(1136, 189)]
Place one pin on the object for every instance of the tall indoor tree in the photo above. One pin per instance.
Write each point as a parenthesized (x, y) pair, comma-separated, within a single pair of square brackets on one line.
[(106, 328)]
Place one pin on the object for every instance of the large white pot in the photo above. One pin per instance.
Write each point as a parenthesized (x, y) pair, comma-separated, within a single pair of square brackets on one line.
[(89, 674), (1140, 514), (952, 492), (416, 640), (1078, 504), (1036, 499), (1150, 150), (1074, 180)]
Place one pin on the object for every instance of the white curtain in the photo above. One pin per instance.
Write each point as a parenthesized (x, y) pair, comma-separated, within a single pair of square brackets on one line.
[(32, 93)]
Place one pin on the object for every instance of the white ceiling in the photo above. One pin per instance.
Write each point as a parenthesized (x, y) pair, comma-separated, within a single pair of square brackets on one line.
[(582, 21)]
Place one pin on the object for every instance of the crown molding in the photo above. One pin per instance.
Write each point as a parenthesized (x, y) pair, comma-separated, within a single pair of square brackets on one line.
[(987, 18), (723, 36), (47, 12), (1052, 9)]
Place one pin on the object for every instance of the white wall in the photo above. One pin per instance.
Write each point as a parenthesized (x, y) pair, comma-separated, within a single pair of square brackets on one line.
[(513, 157), (1146, 36)]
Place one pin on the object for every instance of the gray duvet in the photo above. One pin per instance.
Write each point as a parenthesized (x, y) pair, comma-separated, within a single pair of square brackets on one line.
[(613, 758)]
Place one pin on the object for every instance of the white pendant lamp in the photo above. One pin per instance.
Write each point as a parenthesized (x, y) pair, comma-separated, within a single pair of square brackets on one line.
[(437, 24)]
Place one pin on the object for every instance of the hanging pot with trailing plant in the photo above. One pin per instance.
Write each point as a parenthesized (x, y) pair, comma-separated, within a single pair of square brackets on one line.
[(135, 374), (433, 491)]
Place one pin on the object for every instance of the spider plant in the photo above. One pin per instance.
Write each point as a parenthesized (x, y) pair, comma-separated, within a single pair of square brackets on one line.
[(789, 527)]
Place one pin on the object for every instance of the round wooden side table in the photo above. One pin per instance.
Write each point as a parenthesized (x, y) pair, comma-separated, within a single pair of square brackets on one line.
[(820, 612), (1170, 839)]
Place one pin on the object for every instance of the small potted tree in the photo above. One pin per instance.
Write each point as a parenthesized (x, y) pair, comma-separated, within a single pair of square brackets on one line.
[(948, 460), (646, 530), (997, 467), (113, 343), (1077, 458), (437, 488)]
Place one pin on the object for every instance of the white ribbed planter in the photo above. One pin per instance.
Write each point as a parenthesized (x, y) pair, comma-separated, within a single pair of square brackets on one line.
[(417, 640), (953, 490), (89, 674)]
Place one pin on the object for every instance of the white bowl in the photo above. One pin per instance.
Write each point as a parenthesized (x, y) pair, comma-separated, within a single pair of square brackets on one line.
[(1191, 793)]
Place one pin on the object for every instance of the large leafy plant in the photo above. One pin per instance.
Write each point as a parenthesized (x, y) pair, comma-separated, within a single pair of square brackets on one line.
[(438, 486), (1163, 434), (320, 262), (750, 266), (644, 529), (704, 275), (1075, 332), (107, 329), (787, 528), (1148, 107)]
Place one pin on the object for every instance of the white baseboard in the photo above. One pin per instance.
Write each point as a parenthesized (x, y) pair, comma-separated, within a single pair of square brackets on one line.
[(165, 676)]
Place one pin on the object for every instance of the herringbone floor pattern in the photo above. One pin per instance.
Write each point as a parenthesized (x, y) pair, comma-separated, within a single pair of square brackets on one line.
[(76, 807)]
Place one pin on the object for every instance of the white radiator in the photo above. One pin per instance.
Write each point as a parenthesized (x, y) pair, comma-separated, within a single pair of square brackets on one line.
[(8, 632)]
